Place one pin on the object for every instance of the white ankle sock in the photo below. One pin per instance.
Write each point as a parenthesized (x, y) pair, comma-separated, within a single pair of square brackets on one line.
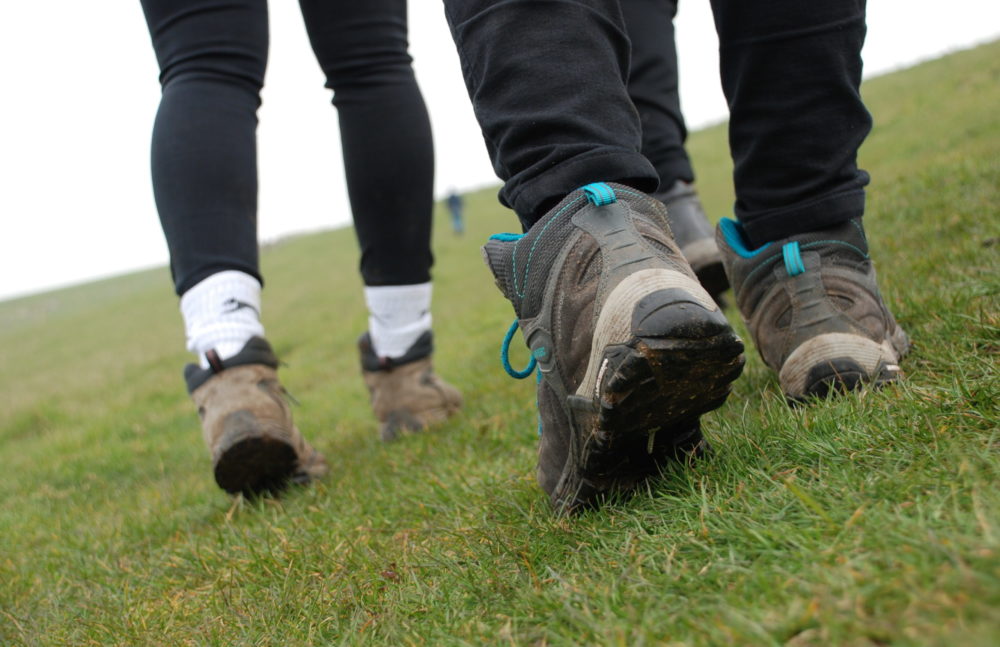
[(398, 315), (222, 312)]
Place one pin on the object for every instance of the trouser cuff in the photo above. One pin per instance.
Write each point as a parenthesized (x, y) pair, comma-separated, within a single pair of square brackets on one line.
[(533, 198), (671, 170), (827, 211)]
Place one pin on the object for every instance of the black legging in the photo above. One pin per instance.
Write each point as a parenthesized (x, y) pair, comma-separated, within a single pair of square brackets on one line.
[(547, 79), (212, 55)]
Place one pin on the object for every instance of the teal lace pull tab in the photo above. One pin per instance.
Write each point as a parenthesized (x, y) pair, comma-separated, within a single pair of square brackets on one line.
[(507, 238), (600, 194), (793, 258), (505, 356)]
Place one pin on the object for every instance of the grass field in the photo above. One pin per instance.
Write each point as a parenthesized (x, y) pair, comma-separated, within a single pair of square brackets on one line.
[(870, 520)]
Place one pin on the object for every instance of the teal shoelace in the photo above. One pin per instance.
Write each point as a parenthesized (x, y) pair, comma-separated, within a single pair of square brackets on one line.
[(505, 357)]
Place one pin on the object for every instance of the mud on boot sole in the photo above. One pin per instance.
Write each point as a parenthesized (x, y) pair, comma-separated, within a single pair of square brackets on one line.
[(651, 393), (256, 465)]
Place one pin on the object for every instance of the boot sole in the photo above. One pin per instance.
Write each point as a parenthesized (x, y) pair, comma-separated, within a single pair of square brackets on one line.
[(842, 375), (256, 465), (837, 362), (649, 391)]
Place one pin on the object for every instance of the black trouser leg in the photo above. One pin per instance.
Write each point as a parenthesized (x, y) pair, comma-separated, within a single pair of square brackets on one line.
[(385, 133), (546, 79), (791, 72), (547, 82), (652, 86)]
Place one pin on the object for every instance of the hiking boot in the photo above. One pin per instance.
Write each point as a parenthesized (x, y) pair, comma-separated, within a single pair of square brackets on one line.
[(406, 395), (813, 308), (630, 348), (247, 423), (695, 236)]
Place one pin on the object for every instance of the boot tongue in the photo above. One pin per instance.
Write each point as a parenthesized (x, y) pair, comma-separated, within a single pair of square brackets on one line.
[(497, 253)]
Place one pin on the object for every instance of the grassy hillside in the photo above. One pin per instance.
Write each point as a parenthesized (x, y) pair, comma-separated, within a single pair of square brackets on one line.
[(870, 520)]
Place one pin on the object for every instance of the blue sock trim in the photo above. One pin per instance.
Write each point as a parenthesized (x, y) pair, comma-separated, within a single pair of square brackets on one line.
[(793, 258), (599, 193), (732, 231), (505, 356)]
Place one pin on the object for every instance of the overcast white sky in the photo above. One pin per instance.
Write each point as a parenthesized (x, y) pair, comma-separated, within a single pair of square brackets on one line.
[(80, 92)]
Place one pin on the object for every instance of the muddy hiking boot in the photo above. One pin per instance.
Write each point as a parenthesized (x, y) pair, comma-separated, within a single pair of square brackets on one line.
[(406, 395), (247, 423), (812, 305), (695, 236), (630, 348)]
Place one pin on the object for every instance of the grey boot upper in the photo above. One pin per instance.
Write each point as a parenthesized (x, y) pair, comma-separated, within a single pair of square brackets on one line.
[(609, 309), (812, 304)]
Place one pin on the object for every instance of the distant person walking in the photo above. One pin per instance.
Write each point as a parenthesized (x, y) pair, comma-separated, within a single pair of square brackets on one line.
[(455, 206), (212, 58)]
